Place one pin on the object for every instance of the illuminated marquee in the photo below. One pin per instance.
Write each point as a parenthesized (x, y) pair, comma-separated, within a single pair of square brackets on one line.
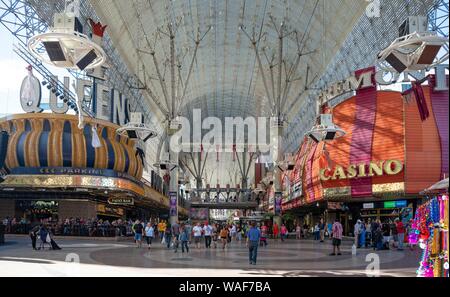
[(389, 167)]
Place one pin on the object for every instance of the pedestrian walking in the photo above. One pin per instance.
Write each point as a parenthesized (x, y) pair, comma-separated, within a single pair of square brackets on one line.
[(149, 234), (316, 232), (362, 235), (184, 238), (161, 228), (264, 232), (197, 231), (298, 232), (168, 235), (137, 229), (357, 232), (176, 235), (284, 232), (322, 230), (224, 236), (33, 235), (253, 237), (275, 231), (337, 237), (239, 233), (207, 231), (400, 233)]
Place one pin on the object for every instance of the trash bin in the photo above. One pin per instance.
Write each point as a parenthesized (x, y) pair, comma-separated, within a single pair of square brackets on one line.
[(2, 233)]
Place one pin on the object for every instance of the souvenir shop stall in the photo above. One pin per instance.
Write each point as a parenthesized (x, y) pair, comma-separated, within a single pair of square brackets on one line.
[(430, 232)]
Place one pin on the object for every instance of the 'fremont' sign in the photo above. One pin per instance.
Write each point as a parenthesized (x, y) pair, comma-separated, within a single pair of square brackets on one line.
[(369, 77)]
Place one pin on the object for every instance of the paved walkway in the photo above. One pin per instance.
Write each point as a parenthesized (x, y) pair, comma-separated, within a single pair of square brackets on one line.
[(112, 258)]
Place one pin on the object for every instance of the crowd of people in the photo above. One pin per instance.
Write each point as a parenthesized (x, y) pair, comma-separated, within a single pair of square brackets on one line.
[(211, 235), (369, 234), (391, 234), (73, 227)]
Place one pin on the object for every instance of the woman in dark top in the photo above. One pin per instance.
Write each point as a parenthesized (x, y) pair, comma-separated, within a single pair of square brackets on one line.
[(386, 229), (168, 235)]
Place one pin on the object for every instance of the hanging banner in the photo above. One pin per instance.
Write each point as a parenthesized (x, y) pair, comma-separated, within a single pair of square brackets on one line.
[(278, 200), (173, 204)]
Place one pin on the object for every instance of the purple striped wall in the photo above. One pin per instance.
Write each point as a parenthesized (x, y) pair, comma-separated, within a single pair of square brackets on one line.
[(308, 172), (361, 148), (439, 101)]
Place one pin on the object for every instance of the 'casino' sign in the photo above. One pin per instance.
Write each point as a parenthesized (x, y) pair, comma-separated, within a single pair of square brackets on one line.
[(354, 171)]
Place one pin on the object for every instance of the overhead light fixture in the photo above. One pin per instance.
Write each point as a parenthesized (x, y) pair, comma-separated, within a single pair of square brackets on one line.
[(326, 130), (66, 46), (135, 129), (416, 49)]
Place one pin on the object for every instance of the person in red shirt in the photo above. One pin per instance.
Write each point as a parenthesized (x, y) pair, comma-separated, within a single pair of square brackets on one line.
[(401, 233), (275, 231), (337, 237), (263, 240), (284, 232)]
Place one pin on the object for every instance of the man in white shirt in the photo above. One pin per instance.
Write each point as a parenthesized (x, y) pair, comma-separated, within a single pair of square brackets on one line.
[(197, 230), (207, 230), (149, 234), (233, 232), (357, 232)]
